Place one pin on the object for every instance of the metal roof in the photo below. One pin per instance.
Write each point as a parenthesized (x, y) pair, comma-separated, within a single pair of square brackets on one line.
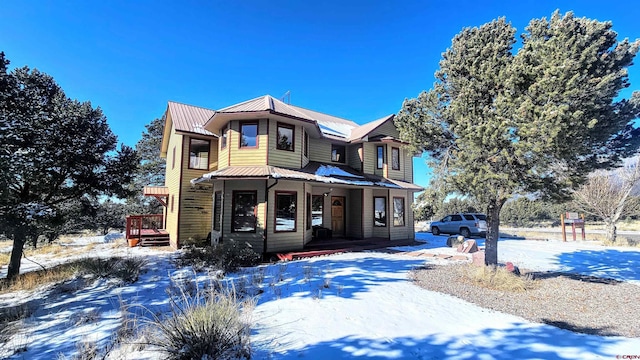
[(190, 118), (313, 172)]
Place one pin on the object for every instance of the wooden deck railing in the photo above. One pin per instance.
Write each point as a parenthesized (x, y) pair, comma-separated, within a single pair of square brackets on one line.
[(137, 224)]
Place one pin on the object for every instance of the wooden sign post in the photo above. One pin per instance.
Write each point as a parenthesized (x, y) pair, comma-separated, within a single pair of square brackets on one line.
[(577, 222)]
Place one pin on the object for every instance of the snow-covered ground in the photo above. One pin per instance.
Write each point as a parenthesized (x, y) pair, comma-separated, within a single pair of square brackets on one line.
[(355, 305)]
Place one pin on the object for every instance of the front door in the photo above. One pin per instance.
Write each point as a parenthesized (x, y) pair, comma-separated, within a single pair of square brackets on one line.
[(337, 215)]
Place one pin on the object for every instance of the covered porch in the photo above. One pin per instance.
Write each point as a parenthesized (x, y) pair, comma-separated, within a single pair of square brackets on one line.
[(149, 229)]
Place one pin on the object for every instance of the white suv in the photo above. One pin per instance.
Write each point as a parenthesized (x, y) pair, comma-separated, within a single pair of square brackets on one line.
[(466, 224)]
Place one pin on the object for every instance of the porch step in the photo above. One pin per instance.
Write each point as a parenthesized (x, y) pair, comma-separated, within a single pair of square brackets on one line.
[(155, 241)]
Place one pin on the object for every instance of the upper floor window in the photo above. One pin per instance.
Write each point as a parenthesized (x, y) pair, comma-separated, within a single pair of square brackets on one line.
[(306, 144), (395, 158), (337, 153), (249, 135), (199, 154), (380, 156), (286, 135), (223, 138)]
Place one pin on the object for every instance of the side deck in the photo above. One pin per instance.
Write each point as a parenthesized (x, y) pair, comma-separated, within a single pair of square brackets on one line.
[(147, 230)]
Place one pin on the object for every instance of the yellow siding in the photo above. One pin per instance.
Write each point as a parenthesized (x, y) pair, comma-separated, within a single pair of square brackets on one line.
[(320, 150), (172, 181), (196, 201), (285, 241), (367, 212), (353, 156), (252, 156), (369, 158), (386, 129), (285, 158), (408, 167), (255, 239)]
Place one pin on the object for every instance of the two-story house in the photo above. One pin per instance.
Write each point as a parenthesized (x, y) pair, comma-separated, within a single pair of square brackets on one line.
[(275, 175)]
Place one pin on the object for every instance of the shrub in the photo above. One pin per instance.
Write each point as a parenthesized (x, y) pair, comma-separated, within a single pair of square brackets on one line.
[(99, 267), (498, 278), (228, 256), (213, 324), (126, 269)]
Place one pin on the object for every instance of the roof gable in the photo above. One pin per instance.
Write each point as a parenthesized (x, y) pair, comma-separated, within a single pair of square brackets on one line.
[(189, 118)]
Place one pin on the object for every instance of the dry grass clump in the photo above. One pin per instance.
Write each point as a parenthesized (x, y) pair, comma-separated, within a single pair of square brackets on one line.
[(4, 258), (623, 242), (34, 279), (125, 269), (498, 278), (212, 324)]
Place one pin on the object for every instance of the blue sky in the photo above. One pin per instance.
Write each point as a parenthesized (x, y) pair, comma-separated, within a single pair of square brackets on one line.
[(354, 59)]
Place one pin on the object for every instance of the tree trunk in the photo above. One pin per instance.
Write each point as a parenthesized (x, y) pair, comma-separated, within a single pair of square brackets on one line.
[(19, 239), (493, 230), (611, 231)]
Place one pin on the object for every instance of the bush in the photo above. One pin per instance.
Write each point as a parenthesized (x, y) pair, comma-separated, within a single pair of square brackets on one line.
[(213, 324), (228, 256), (126, 269)]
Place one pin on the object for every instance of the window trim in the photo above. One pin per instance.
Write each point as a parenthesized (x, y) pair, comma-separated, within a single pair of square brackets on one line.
[(308, 209), (385, 211), (293, 136), (257, 124), (233, 210), (208, 154), (404, 211), (344, 152), (275, 211), (395, 150), (379, 157), (173, 158), (224, 137)]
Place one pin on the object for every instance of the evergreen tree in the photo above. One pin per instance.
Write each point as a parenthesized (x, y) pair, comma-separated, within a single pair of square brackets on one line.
[(60, 149), (151, 170), (537, 121)]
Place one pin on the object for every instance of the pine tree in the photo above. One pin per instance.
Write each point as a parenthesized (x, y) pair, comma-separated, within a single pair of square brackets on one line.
[(499, 123), (151, 170), (60, 149)]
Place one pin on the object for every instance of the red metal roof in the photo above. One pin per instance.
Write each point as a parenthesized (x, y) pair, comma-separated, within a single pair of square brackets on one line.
[(190, 118)]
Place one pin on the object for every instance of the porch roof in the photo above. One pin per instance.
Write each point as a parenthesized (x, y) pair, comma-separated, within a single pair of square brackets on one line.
[(151, 190), (314, 172)]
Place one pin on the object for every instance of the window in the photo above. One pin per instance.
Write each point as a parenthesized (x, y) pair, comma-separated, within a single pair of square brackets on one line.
[(316, 210), (380, 211), (469, 217), (309, 217), (337, 153), (456, 218), (173, 159), (199, 154), (217, 210), (306, 144), (244, 211), (223, 138), (398, 211), (249, 135), (286, 211), (380, 153), (171, 203), (286, 135), (395, 158)]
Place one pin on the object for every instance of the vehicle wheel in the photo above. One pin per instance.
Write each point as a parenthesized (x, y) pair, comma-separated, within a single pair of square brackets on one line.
[(465, 232), (435, 230)]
